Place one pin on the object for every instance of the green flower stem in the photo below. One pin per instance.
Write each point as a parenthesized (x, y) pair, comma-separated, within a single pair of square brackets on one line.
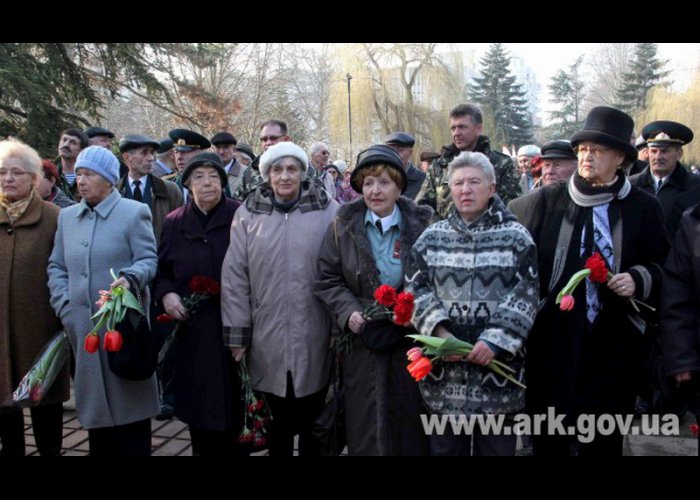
[(572, 284)]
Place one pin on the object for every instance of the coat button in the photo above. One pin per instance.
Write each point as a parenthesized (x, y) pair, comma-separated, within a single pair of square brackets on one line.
[(206, 241), (85, 243), (85, 275)]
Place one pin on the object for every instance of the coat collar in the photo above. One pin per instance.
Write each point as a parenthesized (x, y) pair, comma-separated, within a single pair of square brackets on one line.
[(103, 208), (193, 228), (678, 178)]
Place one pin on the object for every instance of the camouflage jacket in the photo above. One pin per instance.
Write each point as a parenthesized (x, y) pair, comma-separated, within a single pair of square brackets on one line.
[(250, 181), (436, 193)]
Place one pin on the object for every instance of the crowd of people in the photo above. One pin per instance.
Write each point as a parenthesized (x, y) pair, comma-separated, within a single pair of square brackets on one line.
[(298, 244)]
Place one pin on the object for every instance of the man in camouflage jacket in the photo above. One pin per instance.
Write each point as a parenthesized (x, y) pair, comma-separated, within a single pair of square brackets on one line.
[(466, 123)]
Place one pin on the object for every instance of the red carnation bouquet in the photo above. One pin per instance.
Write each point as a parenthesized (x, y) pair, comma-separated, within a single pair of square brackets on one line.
[(202, 288), (257, 413), (596, 269), (113, 305), (388, 304)]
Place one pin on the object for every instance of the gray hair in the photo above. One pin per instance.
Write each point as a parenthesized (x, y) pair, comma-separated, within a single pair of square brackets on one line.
[(317, 146), (469, 159), (30, 159)]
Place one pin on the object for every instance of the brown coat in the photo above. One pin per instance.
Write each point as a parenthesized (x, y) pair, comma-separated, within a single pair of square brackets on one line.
[(27, 321)]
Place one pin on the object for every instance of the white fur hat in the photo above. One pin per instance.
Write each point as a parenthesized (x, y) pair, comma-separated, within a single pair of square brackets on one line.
[(529, 150), (280, 150)]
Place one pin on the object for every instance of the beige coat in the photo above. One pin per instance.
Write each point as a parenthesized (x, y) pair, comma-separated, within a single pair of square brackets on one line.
[(267, 299), (27, 321)]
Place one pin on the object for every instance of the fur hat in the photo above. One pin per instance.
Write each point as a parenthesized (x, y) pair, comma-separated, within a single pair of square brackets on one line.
[(101, 161), (280, 150)]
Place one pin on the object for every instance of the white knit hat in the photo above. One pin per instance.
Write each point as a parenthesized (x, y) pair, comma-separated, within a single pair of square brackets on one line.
[(280, 150), (101, 161), (529, 150), (342, 166)]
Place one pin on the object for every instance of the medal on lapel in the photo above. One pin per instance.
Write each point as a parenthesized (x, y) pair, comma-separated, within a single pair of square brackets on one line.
[(397, 250)]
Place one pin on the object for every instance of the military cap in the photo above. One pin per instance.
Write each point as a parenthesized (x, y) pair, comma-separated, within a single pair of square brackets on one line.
[(133, 141), (95, 131), (666, 133), (208, 159), (223, 138), (165, 145), (558, 149), (400, 139), (187, 140)]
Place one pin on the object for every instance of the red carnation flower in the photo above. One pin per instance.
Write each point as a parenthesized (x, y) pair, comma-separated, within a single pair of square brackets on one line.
[(599, 269), (385, 295), (204, 285), (164, 318)]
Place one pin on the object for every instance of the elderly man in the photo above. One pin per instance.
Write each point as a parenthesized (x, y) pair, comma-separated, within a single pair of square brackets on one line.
[(244, 154), (187, 144), (164, 164), (526, 154), (225, 146), (666, 177), (100, 137), (318, 159), (402, 143), (466, 124)]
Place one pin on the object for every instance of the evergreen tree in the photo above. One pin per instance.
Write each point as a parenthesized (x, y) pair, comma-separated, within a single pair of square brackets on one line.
[(567, 93), (646, 71), (498, 94), (47, 87)]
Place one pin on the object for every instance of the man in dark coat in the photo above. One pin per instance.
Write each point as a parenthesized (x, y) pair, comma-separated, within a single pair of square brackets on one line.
[(666, 177), (589, 359), (402, 143)]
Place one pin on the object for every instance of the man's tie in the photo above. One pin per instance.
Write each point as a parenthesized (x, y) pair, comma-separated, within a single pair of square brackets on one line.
[(379, 226), (659, 184), (137, 191)]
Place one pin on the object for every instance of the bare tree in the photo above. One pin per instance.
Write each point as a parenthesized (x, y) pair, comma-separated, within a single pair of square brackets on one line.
[(609, 64)]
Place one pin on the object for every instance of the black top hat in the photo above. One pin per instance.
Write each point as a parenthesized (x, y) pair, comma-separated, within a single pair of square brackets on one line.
[(136, 141), (165, 145), (223, 138), (558, 149), (205, 159), (400, 139), (187, 140), (378, 154), (95, 131), (666, 133), (608, 126)]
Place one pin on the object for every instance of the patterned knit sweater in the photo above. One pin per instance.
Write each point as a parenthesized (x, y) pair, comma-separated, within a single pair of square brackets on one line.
[(481, 279)]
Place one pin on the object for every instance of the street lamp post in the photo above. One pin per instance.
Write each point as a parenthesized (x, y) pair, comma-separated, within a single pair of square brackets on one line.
[(349, 113)]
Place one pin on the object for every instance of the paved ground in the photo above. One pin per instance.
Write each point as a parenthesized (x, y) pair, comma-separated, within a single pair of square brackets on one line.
[(171, 438)]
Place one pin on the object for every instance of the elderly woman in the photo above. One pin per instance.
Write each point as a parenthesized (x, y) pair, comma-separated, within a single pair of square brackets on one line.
[(589, 359), (369, 245), (267, 298), (104, 231), (27, 322), (474, 276), (195, 238), (47, 188)]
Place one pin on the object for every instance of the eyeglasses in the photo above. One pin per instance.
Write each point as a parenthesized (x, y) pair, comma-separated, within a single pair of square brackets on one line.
[(12, 173), (596, 151), (269, 138)]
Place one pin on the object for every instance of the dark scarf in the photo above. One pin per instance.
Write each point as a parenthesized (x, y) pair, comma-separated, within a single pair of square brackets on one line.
[(586, 195)]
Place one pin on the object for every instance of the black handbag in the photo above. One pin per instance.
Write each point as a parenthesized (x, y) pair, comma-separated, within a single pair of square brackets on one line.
[(381, 335), (138, 357)]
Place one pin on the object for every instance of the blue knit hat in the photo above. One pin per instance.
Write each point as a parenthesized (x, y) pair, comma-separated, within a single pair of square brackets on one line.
[(101, 161)]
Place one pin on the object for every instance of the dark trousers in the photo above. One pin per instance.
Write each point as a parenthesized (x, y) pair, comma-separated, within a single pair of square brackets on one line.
[(475, 445), (47, 424), (291, 416), (130, 440), (208, 443)]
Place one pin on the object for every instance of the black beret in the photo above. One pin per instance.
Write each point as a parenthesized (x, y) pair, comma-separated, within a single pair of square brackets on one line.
[(378, 154), (223, 138), (400, 139), (165, 145), (135, 141), (206, 158), (187, 140), (666, 133), (558, 149), (95, 131)]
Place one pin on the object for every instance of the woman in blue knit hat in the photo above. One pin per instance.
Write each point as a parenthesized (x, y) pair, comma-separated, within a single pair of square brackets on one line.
[(104, 231)]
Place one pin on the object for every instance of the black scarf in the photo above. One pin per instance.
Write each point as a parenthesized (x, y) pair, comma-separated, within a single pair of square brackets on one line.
[(586, 195)]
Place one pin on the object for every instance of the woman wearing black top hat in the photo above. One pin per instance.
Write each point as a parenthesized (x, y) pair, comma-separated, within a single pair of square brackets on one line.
[(588, 360), (382, 401)]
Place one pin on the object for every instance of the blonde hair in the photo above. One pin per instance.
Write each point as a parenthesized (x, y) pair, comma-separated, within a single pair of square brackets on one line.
[(30, 159)]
